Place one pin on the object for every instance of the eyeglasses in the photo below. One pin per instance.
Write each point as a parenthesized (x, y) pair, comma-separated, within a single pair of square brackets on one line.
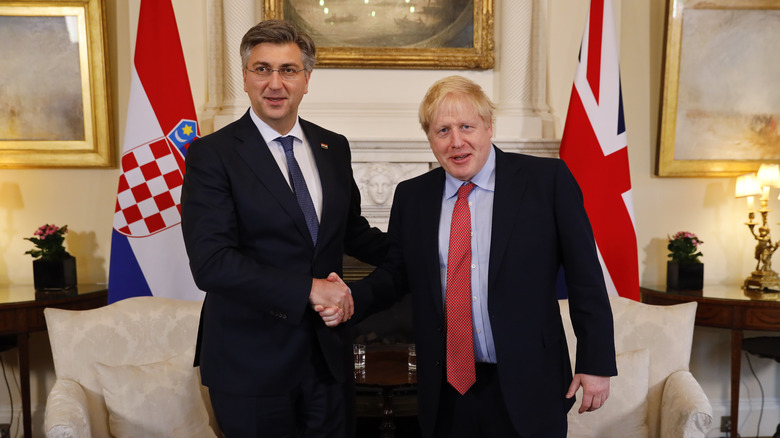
[(286, 73)]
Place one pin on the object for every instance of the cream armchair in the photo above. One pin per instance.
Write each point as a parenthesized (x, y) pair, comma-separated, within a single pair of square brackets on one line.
[(654, 394), (126, 370)]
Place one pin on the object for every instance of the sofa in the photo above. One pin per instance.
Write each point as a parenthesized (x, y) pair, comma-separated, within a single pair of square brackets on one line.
[(654, 394), (125, 370)]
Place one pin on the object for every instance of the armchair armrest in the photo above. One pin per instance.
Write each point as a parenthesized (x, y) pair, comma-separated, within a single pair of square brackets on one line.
[(685, 410), (67, 414)]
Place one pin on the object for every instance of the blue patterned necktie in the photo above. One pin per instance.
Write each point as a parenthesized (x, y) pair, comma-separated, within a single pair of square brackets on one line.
[(299, 187)]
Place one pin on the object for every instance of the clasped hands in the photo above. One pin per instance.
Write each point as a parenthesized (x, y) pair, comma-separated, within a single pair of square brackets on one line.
[(330, 297)]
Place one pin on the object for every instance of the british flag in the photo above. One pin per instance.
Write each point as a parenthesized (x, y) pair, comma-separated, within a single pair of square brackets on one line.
[(594, 147), (147, 248)]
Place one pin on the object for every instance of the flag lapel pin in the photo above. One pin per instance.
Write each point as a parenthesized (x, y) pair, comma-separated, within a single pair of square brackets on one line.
[(324, 146)]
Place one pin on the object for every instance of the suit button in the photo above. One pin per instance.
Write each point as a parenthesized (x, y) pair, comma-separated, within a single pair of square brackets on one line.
[(437, 363)]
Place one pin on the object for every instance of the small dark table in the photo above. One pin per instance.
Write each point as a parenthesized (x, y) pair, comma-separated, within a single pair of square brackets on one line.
[(21, 313), (387, 372), (727, 307)]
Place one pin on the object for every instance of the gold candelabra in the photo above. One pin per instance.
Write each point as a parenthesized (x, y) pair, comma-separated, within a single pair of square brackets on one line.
[(763, 278)]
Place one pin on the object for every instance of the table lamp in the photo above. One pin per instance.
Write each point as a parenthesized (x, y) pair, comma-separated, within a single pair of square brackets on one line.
[(763, 278), (10, 196), (748, 187), (10, 200)]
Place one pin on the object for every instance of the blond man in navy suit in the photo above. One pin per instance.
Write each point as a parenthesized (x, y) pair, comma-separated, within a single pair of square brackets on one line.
[(527, 221)]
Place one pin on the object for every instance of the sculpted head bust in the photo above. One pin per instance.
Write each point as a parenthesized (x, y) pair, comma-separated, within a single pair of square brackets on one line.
[(378, 180)]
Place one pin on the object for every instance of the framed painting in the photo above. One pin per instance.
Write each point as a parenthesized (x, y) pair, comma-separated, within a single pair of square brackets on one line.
[(420, 34), (54, 102), (721, 98)]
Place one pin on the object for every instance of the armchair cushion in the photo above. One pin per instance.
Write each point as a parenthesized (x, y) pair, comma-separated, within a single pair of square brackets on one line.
[(625, 413), (160, 399)]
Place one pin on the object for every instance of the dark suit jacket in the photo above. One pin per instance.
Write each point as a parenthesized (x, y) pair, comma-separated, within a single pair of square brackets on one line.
[(251, 252), (539, 224)]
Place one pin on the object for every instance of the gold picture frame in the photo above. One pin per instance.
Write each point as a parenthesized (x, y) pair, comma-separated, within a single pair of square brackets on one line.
[(351, 33), (721, 100), (54, 100)]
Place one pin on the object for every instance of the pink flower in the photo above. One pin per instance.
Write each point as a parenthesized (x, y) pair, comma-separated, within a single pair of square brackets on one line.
[(683, 247), (49, 242)]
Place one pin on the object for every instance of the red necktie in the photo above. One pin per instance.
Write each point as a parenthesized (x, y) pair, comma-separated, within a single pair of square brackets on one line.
[(460, 340)]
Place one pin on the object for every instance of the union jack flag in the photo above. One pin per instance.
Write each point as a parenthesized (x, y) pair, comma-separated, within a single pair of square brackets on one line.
[(594, 147)]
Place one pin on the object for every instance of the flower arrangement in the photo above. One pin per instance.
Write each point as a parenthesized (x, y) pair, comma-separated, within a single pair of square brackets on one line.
[(49, 242), (683, 247)]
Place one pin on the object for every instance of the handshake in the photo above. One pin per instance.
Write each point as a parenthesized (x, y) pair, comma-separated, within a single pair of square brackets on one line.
[(331, 298)]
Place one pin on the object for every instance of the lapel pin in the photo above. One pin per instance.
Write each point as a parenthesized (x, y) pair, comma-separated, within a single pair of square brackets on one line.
[(323, 145)]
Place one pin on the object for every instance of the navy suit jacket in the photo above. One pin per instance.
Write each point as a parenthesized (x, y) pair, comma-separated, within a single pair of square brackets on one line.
[(539, 224), (251, 252)]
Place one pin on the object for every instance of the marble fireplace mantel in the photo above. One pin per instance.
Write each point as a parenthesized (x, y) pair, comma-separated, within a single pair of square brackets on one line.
[(380, 165)]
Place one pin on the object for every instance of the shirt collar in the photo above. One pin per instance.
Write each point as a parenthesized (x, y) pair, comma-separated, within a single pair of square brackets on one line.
[(269, 134), (484, 179)]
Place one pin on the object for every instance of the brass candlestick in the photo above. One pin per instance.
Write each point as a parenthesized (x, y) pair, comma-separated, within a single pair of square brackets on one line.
[(763, 278)]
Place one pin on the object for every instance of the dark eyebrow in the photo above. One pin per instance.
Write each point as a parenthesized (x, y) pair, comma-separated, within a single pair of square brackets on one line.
[(286, 65)]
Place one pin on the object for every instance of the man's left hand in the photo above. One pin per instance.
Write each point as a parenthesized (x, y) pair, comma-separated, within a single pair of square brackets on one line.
[(595, 391)]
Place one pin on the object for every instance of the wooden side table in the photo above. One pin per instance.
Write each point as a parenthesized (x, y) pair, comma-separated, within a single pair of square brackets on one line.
[(727, 307), (21, 314), (387, 370)]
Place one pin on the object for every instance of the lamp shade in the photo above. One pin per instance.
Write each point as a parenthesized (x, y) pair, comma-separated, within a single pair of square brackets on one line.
[(747, 185), (10, 196), (769, 175)]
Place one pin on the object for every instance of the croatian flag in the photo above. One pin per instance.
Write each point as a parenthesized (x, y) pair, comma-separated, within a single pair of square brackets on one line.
[(595, 149), (147, 248)]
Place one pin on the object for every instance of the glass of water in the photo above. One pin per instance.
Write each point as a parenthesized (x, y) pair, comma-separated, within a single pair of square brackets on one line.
[(359, 351)]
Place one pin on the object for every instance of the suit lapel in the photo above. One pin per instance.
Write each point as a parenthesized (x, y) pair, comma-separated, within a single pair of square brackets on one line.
[(511, 184), (427, 225), (253, 149)]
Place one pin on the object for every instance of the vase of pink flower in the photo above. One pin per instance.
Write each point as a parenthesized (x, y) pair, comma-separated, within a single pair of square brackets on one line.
[(684, 271), (54, 269)]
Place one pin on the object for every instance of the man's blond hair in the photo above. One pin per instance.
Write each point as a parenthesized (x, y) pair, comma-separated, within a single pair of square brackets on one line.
[(451, 91)]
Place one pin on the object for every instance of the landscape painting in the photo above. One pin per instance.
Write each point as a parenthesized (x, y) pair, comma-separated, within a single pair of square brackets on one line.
[(430, 34)]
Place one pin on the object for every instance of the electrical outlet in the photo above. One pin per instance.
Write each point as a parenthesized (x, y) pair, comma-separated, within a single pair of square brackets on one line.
[(5, 431), (725, 423)]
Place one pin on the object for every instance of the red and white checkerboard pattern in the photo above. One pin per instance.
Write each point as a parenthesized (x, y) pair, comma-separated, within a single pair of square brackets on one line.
[(149, 195)]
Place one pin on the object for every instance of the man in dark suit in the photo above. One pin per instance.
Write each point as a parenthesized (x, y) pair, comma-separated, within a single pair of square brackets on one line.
[(478, 243), (269, 207)]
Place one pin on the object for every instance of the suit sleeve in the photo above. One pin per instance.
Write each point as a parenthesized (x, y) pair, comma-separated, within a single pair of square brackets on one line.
[(387, 283), (590, 311), (218, 256)]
